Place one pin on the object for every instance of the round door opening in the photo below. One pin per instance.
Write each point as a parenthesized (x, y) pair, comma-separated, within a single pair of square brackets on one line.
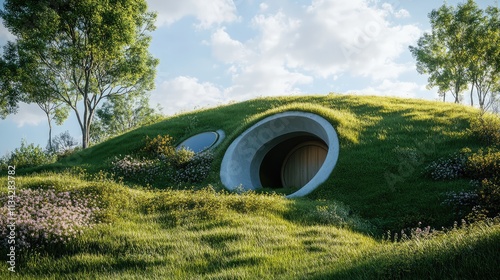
[(295, 151), (293, 162)]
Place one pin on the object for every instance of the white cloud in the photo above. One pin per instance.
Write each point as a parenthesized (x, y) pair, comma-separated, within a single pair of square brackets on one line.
[(185, 93), (275, 31), (257, 67), (401, 13), (266, 78), (207, 13), (292, 48), (391, 88), (338, 36), (28, 114), (226, 49), (263, 7), (326, 39)]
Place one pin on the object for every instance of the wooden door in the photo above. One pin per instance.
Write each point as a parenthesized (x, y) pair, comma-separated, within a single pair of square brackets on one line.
[(302, 163)]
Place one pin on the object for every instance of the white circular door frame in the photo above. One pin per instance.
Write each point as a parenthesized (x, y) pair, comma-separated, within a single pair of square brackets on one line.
[(241, 162)]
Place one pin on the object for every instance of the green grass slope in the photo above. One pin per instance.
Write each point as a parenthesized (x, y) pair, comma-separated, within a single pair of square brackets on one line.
[(204, 232), (375, 174)]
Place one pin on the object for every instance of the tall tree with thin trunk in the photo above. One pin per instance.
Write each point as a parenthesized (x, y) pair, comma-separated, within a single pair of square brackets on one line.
[(80, 52), (462, 51), (484, 48), (440, 54), (54, 111)]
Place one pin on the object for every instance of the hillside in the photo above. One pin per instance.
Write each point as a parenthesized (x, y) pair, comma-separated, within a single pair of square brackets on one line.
[(197, 230), (373, 175)]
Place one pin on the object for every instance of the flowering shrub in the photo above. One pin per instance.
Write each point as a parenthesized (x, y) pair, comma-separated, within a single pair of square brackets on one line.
[(164, 163), (461, 199), (195, 169), (487, 129), (160, 146), (416, 233), (448, 168), (462, 202), (44, 217), (481, 203), (144, 170), (489, 197), (482, 165), (182, 157)]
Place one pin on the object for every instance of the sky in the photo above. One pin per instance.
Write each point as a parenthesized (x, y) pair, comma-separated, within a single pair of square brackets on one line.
[(221, 51)]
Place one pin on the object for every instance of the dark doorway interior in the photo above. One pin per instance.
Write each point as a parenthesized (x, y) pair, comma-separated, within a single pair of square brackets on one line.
[(270, 171)]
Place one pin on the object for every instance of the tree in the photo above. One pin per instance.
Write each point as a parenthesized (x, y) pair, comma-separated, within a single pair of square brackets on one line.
[(13, 92), (8, 95), (441, 54), (118, 115), (79, 52), (63, 142), (484, 65), (54, 111), (462, 51)]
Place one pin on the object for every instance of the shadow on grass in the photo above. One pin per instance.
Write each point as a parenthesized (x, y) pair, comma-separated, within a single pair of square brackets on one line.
[(477, 259)]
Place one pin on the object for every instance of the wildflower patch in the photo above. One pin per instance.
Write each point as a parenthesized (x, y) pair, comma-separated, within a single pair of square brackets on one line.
[(47, 217)]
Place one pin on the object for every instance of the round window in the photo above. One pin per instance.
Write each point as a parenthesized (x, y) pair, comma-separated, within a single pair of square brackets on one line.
[(202, 142)]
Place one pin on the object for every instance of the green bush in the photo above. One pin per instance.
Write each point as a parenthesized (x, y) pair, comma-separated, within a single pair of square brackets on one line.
[(4, 162), (160, 146), (487, 129), (161, 163), (489, 197), (29, 155), (483, 165), (181, 157)]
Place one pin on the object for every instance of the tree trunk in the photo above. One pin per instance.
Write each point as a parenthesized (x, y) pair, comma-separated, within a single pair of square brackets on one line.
[(481, 101), (85, 127), (457, 93), (50, 132), (84, 138), (50, 136), (471, 96), (87, 106)]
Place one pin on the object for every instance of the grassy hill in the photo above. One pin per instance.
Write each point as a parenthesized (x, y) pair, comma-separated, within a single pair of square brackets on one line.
[(198, 230), (373, 174)]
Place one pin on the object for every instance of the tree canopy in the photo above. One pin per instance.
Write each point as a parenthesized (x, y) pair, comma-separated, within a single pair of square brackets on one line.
[(461, 52), (118, 115), (76, 52)]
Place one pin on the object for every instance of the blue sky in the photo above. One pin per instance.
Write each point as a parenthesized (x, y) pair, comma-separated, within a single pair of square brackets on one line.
[(220, 51)]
